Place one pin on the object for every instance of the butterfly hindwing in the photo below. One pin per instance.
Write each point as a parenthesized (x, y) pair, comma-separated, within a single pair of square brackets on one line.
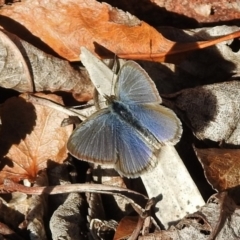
[(134, 85), (135, 156), (160, 121)]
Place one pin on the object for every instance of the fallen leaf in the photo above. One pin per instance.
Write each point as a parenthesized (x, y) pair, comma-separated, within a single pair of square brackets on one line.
[(221, 167), (25, 68), (15, 73), (218, 219), (30, 136), (177, 14), (214, 64), (126, 227), (97, 26), (67, 221), (201, 11), (90, 24), (211, 111)]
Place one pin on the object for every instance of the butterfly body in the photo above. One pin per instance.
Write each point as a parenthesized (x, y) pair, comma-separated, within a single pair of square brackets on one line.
[(130, 132), (124, 114)]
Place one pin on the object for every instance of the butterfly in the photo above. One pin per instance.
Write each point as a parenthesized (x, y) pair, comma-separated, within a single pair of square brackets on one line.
[(131, 130)]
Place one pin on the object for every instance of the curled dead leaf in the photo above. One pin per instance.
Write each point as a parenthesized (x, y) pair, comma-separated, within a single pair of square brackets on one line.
[(14, 71), (25, 68)]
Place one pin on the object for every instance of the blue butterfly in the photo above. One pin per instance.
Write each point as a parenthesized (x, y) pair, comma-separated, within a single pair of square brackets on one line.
[(130, 132)]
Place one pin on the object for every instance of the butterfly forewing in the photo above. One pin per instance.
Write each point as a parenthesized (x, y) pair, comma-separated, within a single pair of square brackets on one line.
[(134, 85), (95, 139)]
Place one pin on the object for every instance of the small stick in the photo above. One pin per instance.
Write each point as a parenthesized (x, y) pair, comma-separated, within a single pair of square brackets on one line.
[(48, 103)]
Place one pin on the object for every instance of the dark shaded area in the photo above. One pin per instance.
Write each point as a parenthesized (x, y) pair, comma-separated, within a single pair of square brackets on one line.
[(102, 51), (81, 168), (233, 22), (7, 93), (154, 15), (8, 2), (235, 45), (7, 215), (67, 98), (18, 119), (234, 193), (196, 108)]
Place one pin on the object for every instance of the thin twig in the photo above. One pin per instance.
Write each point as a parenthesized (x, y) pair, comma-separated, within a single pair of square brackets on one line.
[(134, 198), (142, 218), (46, 102)]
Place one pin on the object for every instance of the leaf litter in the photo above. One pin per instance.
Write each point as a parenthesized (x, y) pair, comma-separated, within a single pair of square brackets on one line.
[(25, 68), (96, 26), (210, 111), (30, 136)]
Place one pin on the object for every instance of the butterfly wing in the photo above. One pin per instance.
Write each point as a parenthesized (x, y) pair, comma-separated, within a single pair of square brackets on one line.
[(105, 138), (134, 85), (160, 121), (135, 155), (94, 140)]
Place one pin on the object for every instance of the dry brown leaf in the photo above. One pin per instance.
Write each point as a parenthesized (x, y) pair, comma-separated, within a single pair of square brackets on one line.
[(218, 220), (14, 72), (201, 11), (211, 111), (25, 68), (30, 136), (85, 23), (125, 227), (67, 221), (65, 26), (221, 167), (181, 14)]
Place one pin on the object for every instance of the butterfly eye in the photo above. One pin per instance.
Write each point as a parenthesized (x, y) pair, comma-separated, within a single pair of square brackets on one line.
[(109, 99)]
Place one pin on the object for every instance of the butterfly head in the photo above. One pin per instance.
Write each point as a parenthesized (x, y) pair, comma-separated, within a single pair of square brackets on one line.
[(110, 99)]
